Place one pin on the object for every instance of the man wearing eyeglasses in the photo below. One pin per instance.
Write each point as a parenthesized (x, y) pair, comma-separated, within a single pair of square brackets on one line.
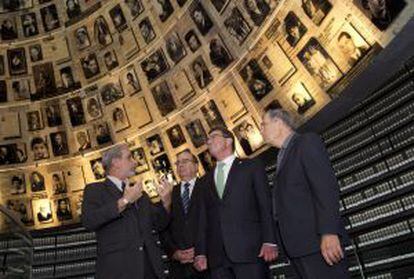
[(180, 236), (235, 233)]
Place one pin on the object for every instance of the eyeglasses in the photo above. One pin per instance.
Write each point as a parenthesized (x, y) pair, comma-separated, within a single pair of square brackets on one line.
[(183, 162), (213, 136)]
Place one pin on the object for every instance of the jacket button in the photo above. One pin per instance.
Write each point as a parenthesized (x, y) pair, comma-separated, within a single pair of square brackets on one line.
[(164, 257), (158, 242), (140, 248), (166, 272)]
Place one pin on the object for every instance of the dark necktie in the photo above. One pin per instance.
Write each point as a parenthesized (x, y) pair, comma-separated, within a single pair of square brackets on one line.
[(123, 186), (186, 197)]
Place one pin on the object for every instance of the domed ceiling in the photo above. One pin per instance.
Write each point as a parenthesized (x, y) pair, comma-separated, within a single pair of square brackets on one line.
[(77, 76)]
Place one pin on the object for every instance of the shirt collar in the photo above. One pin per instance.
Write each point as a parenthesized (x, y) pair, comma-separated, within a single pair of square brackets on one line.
[(227, 161), (191, 181), (288, 140), (117, 181)]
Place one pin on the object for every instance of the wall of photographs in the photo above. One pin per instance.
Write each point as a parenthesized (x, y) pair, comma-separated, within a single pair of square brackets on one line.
[(78, 76)]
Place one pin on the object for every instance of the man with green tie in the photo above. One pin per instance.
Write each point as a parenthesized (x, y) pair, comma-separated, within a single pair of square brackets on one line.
[(235, 233)]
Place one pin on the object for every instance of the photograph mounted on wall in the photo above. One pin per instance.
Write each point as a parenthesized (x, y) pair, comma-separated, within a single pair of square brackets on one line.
[(256, 80)]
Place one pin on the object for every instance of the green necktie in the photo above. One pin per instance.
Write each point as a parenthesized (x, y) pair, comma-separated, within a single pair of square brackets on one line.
[(220, 179)]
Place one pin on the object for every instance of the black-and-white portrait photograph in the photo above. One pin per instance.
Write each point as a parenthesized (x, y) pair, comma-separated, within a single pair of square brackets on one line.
[(192, 40), (175, 48), (110, 59), (118, 18), (139, 157), (256, 80), (97, 168), (237, 26), (29, 24), (163, 8), (201, 19), (212, 115), (76, 112), (15, 5), (82, 38), (301, 99), (73, 9), (163, 98), (219, 55), (93, 108), (110, 93), (39, 148), (17, 61), (381, 12), (248, 136), (197, 133), (207, 161), (50, 18), (58, 183), (21, 89), (102, 132), (316, 10), (130, 82), (37, 182), (257, 10), (23, 209), (63, 210), (59, 143), (154, 144), (200, 72), (83, 140), (67, 79), (162, 165), (147, 31), (34, 120), (44, 78), (219, 5), (9, 154), (43, 211), (101, 32), (119, 118), (176, 136), (155, 65), (53, 114), (18, 184), (90, 66), (319, 64), (36, 53), (294, 29), (352, 46), (8, 29), (135, 7)]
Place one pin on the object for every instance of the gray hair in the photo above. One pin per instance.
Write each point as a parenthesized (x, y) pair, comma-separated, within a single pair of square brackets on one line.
[(282, 115), (110, 154)]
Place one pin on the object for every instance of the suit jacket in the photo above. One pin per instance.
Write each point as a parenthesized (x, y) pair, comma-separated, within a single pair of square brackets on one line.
[(237, 225), (306, 196), (123, 237)]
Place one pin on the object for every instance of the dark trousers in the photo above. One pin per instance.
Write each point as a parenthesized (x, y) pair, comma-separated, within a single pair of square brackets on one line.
[(185, 271), (314, 267), (232, 270)]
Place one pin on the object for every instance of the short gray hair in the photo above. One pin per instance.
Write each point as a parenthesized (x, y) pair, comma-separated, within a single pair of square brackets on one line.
[(282, 115), (110, 154)]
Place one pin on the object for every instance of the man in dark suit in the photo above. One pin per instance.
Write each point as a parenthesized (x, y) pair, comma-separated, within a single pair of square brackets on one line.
[(182, 230), (305, 200), (235, 234), (126, 222)]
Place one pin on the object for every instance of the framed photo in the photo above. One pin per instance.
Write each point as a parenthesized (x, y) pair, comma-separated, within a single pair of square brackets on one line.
[(44, 78), (258, 10), (18, 184), (59, 143), (176, 136), (111, 61), (21, 89), (37, 182), (42, 209), (219, 55), (29, 24), (68, 82), (192, 40), (8, 29), (294, 29), (154, 144), (97, 168), (219, 5), (248, 136), (23, 208), (58, 183), (102, 132), (147, 31), (76, 112), (154, 65), (2, 66), (77, 199), (10, 154), (53, 114), (164, 9), (139, 111), (129, 81), (50, 18), (184, 90), (229, 100), (381, 13), (237, 26), (207, 161), (316, 10), (63, 209), (13, 6), (319, 64), (212, 115), (34, 120), (111, 93), (17, 61), (163, 98), (135, 7), (201, 72), (119, 118), (162, 165), (82, 38), (3, 91), (90, 66), (39, 148), (83, 140), (175, 48), (139, 157), (197, 133), (101, 32), (256, 80), (74, 178), (200, 18), (73, 9), (301, 99), (118, 18), (93, 108)]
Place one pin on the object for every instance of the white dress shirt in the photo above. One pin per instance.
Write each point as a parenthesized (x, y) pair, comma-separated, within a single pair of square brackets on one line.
[(117, 182), (228, 162), (191, 188)]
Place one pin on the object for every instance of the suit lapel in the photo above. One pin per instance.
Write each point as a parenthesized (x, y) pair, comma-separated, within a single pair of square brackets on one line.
[(111, 187), (286, 155)]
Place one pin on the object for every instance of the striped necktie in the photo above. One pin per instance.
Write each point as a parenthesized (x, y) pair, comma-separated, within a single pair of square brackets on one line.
[(186, 197)]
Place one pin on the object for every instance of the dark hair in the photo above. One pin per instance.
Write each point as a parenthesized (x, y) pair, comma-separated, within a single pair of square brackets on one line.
[(193, 157), (37, 140), (344, 34), (225, 133)]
